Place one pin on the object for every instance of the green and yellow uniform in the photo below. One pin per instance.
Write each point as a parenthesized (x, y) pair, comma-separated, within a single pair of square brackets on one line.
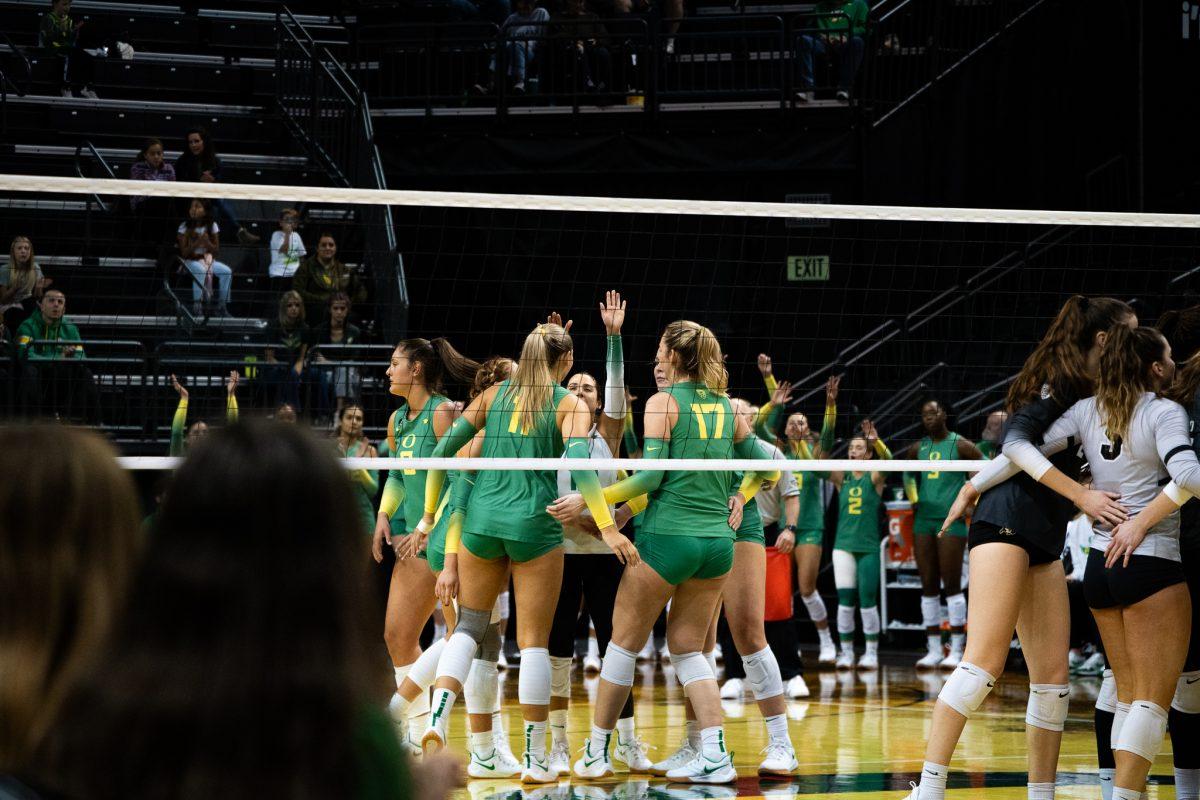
[(398, 524), (936, 490), (751, 529), (365, 486), (858, 534), (410, 438), (810, 525), (435, 546), (179, 422), (988, 449)]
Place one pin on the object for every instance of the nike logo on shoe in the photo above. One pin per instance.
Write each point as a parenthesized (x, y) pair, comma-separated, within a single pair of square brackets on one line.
[(711, 770), (485, 765)]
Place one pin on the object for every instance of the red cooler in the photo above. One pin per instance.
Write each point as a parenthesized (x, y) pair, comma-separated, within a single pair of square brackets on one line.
[(900, 530), (779, 586)]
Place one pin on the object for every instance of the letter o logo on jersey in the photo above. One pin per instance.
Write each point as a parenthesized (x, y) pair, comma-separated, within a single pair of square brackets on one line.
[(701, 393), (409, 440), (856, 491)]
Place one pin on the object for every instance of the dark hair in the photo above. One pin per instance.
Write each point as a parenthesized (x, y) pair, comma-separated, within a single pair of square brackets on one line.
[(1125, 374), (63, 576), (438, 358), (339, 297), (326, 235), (207, 160), (146, 145), (1060, 357), (245, 661), (206, 221), (1182, 329)]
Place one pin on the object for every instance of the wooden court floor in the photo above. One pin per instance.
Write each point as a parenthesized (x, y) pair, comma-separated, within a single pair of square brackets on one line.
[(857, 736)]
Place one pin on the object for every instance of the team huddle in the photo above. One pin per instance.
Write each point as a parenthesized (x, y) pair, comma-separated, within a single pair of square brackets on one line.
[(690, 542)]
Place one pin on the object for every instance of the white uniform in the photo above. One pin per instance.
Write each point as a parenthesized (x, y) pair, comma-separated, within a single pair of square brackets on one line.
[(575, 540), (770, 503)]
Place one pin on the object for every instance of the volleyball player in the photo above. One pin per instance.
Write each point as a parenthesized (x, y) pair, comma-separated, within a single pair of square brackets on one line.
[(939, 557), (351, 443), (180, 440), (415, 374), (856, 549), (528, 416), (800, 442), (686, 537), (1016, 576)]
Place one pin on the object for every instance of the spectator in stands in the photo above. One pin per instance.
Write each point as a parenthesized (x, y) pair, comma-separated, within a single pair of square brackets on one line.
[(327, 338), (21, 282), (183, 436), (286, 413), (582, 41), (841, 30), (153, 213), (243, 664), (353, 443), (199, 239), (287, 375), (199, 163), (68, 547), (319, 276), (495, 11), (59, 35), (53, 374), (287, 249), (523, 29)]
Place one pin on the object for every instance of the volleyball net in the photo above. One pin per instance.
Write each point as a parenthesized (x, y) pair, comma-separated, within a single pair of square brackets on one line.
[(904, 304)]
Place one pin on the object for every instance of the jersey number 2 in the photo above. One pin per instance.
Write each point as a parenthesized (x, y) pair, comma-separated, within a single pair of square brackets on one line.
[(700, 409), (854, 506)]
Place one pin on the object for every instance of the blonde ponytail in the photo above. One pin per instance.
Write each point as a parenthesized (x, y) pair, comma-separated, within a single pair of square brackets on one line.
[(699, 353), (533, 384)]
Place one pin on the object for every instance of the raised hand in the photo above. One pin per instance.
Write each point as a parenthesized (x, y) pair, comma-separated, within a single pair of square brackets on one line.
[(764, 364), (554, 318), (179, 387), (231, 383), (831, 389), (782, 394), (868, 429), (612, 312)]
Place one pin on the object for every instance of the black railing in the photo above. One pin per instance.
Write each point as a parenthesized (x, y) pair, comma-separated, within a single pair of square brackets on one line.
[(742, 57), (18, 84), (97, 159)]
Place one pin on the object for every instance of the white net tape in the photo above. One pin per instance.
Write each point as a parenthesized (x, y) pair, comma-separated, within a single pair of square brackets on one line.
[(629, 464), (630, 205)]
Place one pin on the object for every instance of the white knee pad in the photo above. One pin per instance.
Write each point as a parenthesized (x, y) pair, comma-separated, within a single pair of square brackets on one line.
[(871, 624), (1187, 693), (1107, 699), (966, 689), (1119, 717), (480, 689), (711, 658), (956, 607), (533, 679), (560, 676), (762, 671), (845, 570), (931, 611), (457, 657), (1144, 729), (618, 665), (424, 669), (845, 619), (1047, 707), (691, 667), (816, 607)]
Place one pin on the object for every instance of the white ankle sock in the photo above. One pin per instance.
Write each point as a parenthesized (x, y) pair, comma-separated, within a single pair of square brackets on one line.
[(1125, 794), (558, 726), (933, 781), (1187, 784), (1107, 775), (693, 734), (1039, 791), (599, 742), (482, 744), (625, 733), (777, 727), (712, 743), (439, 717), (535, 739)]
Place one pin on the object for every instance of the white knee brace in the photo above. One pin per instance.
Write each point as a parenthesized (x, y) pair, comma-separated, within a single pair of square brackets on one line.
[(560, 676), (931, 612), (1187, 693), (966, 689), (618, 665), (533, 679), (691, 667), (956, 609), (762, 671), (845, 619), (1107, 699), (1119, 717), (815, 606), (1144, 729), (480, 690), (711, 658), (1047, 707)]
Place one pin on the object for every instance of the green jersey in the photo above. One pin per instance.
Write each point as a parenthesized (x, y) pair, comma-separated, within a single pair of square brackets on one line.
[(694, 503), (936, 490), (858, 515), (364, 497), (988, 449), (510, 504), (414, 438)]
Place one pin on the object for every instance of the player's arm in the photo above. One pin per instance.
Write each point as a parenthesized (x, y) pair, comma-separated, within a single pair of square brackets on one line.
[(661, 412)]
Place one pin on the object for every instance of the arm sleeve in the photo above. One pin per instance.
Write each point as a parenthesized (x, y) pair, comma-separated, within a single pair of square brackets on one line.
[(771, 384), (1175, 448), (454, 532), (393, 493), (994, 473), (231, 409), (463, 486), (753, 447), (178, 423), (881, 449), (643, 482), (589, 483), (614, 379), (367, 478), (630, 435), (827, 428), (451, 442), (1026, 429), (910, 488)]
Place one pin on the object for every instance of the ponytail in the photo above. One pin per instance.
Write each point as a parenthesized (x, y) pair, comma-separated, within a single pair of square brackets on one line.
[(534, 381), (699, 354), (1125, 375), (490, 372), (1059, 360), (438, 358)]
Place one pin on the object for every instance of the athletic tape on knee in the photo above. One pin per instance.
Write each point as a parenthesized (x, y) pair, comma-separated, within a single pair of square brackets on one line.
[(870, 618), (1119, 717), (533, 680), (762, 671), (956, 608), (966, 689), (489, 648), (424, 669), (1144, 729), (560, 676), (931, 611), (1107, 699), (691, 667), (1187, 693), (845, 619), (1047, 707), (457, 657), (479, 690), (816, 607), (618, 665), (473, 623)]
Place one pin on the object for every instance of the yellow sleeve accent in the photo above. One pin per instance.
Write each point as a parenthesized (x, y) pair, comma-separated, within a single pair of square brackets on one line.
[(454, 532), (638, 504), (231, 409), (882, 450), (771, 384)]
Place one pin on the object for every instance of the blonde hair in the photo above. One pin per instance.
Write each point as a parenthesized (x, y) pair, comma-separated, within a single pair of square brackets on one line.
[(290, 294), (69, 537), (533, 384), (699, 353), (1124, 375), (22, 273)]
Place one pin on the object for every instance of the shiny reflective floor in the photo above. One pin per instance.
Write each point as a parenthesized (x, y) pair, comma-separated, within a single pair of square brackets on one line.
[(857, 736)]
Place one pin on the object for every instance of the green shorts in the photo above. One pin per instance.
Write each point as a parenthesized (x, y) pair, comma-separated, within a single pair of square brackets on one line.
[(928, 526), (678, 558), (751, 533), (810, 536), (490, 548)]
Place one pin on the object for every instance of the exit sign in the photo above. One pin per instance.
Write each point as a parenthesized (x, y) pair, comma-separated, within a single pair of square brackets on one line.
[(808, 268)]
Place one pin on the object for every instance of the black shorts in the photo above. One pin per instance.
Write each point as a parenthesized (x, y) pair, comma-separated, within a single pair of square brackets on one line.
[(985, 532), (1124, 586), (1191, 571)]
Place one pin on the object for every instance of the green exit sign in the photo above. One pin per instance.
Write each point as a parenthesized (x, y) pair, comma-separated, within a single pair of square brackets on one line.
[(808, 268)]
